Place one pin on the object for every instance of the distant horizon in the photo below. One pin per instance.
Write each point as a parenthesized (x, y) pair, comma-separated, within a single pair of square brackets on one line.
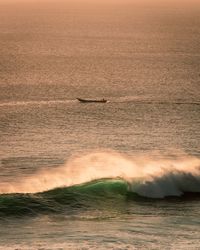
[(118, 168), (160, 2)]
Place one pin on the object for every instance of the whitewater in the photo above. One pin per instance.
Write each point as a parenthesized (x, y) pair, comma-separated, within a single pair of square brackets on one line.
[(119, 175), (59, 189), (145, 176)]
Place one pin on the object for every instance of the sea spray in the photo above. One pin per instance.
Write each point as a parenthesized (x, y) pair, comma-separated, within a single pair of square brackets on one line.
[(146, 175)]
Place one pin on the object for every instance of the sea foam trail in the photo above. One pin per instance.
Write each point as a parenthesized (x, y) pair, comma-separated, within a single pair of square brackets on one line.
[(34, 103), (146, 176)]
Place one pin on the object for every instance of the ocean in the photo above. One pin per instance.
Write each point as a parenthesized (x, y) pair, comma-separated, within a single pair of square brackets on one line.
[(118, 175)]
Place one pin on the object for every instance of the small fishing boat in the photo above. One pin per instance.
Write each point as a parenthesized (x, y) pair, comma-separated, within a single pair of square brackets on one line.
[(91, 100)]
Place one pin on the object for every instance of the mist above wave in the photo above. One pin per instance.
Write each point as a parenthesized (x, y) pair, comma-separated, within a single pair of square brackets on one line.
[(146, 175)]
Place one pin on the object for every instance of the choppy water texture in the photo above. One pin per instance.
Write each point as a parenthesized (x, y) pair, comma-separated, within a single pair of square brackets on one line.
[(120, 175)]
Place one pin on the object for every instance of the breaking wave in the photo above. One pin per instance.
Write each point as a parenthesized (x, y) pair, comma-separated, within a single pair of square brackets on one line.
[(101, 176)]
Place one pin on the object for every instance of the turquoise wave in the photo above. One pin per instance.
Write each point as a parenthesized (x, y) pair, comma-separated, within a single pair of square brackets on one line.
[(64, 199), (99, 194)]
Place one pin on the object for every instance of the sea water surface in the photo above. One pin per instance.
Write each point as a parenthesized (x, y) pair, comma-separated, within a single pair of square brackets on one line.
[(119, 175)]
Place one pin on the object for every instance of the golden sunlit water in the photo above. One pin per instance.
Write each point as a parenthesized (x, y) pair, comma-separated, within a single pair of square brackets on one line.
[(121, 174)]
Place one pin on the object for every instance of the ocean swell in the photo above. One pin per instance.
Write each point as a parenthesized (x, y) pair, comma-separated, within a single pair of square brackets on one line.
[(149, 177)]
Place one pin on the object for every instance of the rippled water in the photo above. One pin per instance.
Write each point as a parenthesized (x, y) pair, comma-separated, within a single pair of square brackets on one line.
[(134, 161)]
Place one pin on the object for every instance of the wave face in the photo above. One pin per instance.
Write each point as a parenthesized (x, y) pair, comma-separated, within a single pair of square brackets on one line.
[(101, 176), (71, 200)]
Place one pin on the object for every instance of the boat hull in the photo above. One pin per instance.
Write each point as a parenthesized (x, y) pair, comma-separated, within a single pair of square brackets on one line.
[(90, 100)]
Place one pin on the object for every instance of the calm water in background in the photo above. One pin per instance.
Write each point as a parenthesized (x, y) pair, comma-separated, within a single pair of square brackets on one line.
[(145, 61)]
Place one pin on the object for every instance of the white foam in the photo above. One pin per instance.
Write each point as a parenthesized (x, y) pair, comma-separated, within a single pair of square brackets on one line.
[(147, 176)]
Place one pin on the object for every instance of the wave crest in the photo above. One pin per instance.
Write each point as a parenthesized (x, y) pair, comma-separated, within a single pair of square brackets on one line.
[(146, 176)]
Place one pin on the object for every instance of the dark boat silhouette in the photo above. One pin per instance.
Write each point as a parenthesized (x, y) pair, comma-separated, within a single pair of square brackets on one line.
[(91, 100)]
